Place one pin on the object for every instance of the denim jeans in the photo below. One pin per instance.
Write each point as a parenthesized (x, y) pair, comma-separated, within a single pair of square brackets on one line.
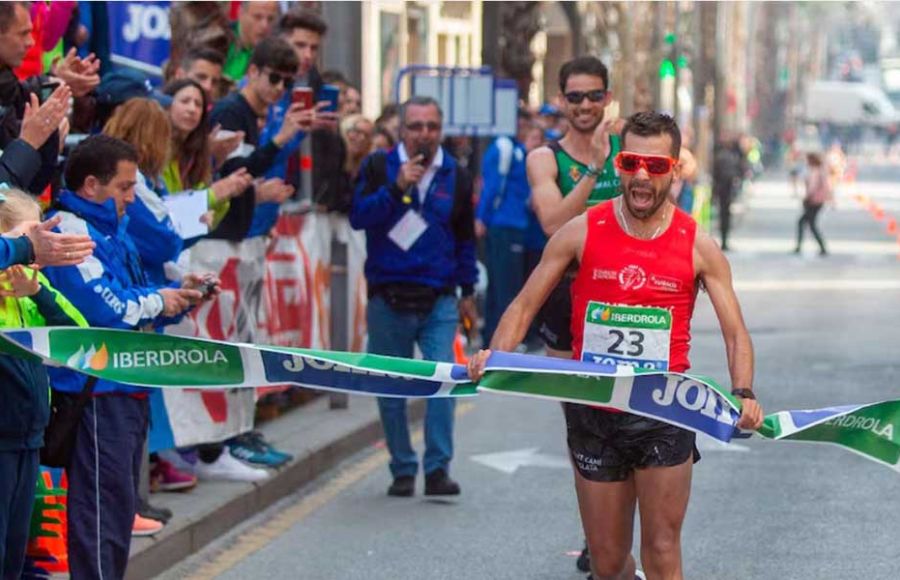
[(395, 334)]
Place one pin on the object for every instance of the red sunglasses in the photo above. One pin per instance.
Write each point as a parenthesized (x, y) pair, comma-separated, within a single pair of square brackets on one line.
[(654, 164)]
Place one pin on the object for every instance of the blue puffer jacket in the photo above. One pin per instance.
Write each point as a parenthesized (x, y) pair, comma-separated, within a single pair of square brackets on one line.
[(110, 288), (444, 255)]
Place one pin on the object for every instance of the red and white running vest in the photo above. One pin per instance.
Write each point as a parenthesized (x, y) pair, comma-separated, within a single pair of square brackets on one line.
[(632, 299)]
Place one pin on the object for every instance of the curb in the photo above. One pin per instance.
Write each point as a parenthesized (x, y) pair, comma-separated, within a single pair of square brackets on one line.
[(188, 536)]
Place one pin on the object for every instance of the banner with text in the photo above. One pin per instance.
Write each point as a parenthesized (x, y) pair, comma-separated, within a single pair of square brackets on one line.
[(694, 403)]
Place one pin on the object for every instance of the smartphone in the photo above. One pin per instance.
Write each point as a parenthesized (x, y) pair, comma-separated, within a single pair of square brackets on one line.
[(302, 95), (331, 94)]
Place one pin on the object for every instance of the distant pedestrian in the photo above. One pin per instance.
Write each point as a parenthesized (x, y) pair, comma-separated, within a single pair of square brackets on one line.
[(818, 193), (728, 170)]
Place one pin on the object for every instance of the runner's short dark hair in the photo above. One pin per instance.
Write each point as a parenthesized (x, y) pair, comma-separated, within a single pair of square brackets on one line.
[(275, 53), (98, 155), (202, 53), (302, 18), (652, 123), (583, 65)]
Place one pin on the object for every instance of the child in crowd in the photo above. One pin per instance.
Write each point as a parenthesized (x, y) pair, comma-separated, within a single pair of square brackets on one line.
[(26, 300)]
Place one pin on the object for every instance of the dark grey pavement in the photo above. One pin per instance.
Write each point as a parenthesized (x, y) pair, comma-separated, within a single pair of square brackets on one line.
[(826, 332)]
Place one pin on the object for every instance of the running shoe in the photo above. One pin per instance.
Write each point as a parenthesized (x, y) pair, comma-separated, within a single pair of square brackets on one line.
[(259, 439), (166, 477), (638, 575), (252, 448), (229, 468), (583, 563), (145, 526), (145, 510)]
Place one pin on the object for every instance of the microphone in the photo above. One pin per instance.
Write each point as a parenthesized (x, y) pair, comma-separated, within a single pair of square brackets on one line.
[(422, 152)]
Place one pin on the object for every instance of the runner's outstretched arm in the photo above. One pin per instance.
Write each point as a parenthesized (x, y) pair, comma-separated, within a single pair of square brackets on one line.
[(713, 269), (562, 248)]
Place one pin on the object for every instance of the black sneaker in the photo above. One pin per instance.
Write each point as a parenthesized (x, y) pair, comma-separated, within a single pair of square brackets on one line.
[(583, 563), (145, 510), (439, 483), (403, 486)]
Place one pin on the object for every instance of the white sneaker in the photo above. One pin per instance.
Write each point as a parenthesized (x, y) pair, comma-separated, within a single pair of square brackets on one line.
[(229, 468)]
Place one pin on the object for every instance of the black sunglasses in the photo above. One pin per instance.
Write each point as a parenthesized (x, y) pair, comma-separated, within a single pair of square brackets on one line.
[(417, 126), (278, 78), (595, 96)]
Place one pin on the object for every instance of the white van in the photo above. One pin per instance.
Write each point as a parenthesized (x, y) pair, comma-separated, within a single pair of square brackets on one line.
[(848, 104)]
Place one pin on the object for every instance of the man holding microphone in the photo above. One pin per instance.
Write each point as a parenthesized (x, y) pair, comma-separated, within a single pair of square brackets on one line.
[(415, 204)]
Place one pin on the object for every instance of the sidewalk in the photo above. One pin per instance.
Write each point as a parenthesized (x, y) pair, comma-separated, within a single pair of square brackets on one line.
[(319, 439)]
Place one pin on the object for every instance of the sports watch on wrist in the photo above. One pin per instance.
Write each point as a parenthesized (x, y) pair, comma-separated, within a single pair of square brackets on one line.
[(592, 170), (743, 393)]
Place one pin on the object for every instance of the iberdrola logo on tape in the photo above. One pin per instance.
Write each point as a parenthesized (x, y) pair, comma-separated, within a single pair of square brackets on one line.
[(148, 359), (98, 359)]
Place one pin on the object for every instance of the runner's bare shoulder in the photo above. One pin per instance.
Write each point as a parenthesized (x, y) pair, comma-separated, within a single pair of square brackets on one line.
[(541, 163), (708, 256), (570, 237)]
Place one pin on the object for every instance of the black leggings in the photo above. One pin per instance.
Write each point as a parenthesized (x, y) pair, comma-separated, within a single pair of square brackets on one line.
[(810, 214)]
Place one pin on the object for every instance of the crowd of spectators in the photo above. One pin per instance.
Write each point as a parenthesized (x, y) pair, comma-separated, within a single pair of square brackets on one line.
[(102, 151)]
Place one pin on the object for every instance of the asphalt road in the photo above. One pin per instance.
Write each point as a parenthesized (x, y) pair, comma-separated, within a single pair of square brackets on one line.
[(825, 331)]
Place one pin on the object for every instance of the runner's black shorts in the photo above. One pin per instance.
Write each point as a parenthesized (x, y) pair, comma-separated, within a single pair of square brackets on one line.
[(609, 446), (555, 316)]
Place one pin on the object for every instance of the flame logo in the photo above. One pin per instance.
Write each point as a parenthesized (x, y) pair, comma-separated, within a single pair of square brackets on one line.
[(604, 316), (93, 359)]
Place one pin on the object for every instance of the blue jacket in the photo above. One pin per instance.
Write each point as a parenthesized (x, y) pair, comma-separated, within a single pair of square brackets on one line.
[(504, 196), (266, 214), (444, 255), (152, 230), (110, 288)]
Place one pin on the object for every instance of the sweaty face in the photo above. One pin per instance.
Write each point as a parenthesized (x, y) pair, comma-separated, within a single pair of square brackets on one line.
[(421, 130), (642, 193), (306, 47), (120, 188), (257, 19), (16, 40), (586, 115), (186, 110)]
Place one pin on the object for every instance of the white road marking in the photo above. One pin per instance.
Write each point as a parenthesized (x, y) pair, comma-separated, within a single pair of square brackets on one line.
[(510, 461)]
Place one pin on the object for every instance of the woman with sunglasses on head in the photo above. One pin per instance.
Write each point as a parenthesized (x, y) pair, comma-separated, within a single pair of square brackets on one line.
[(641, 262)]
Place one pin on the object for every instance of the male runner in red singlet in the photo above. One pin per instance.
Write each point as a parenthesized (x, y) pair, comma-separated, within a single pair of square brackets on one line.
[(641, 260)]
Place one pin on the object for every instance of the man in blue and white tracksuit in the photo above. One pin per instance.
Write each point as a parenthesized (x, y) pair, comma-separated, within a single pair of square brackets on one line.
[(111, 289)]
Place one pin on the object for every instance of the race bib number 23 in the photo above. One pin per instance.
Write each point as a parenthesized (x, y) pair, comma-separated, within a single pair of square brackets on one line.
[(627, 335)]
